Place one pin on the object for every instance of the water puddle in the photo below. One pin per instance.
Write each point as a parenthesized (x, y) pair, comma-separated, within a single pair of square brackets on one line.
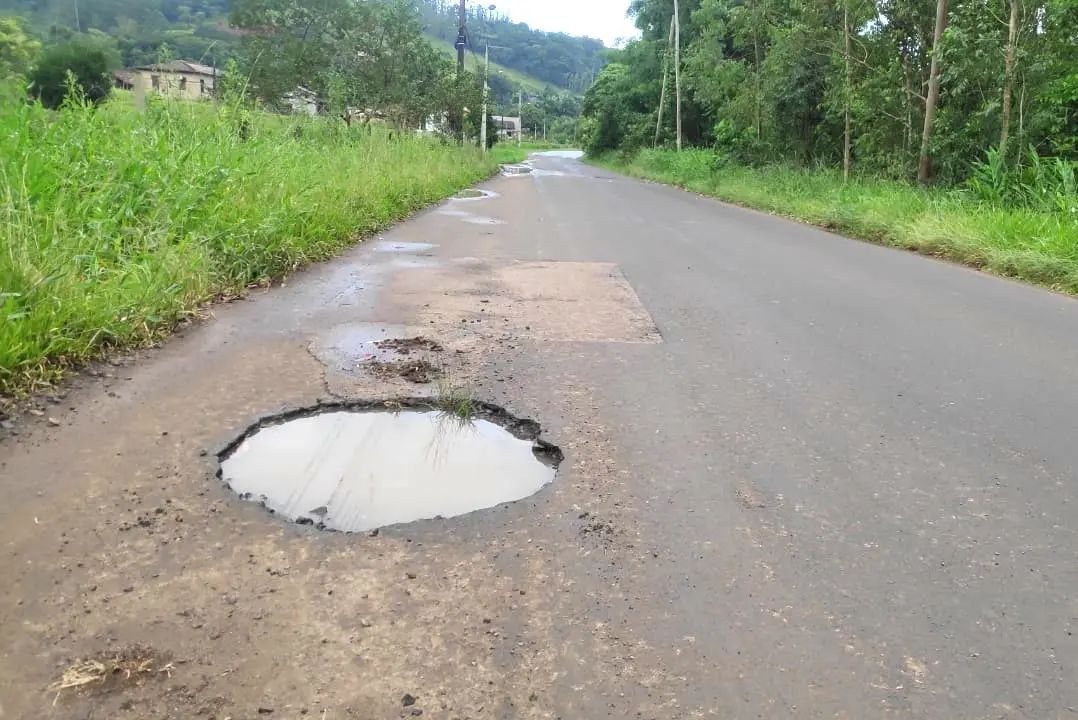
[(474, 194), (402, 247), (347, 346), (528, 170), (354, 469), (470, 217)]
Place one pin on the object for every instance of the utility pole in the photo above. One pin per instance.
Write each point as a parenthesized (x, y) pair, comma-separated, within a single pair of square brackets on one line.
[(520, 117), (486, 74), (462, 41), (462, 38), (677, 68)]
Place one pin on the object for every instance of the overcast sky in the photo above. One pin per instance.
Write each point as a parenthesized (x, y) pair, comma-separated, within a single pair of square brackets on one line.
[(602, 19)]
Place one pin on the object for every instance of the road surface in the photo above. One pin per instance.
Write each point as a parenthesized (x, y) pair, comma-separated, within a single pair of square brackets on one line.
[(805, 477)]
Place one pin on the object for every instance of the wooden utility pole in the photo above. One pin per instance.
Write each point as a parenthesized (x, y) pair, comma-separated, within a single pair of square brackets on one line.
[(462, 37), (520, 116), (462, 41), (662, 93), (677, 68), (924, 167), (483, 127)]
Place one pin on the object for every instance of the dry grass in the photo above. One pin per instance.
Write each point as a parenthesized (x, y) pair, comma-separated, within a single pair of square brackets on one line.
[(129, 666)]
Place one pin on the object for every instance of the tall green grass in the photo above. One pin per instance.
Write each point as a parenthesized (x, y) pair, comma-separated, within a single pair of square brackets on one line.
[(1037, 243), (116, 224)]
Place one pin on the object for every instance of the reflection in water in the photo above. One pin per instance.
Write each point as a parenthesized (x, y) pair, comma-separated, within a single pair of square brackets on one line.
[(356, 471)]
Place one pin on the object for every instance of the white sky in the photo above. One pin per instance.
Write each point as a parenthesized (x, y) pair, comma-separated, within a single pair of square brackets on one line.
[(602, 19)]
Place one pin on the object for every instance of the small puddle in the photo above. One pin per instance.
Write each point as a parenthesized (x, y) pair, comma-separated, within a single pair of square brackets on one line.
[(470, 217), (402, 247), (355, 469), (472, 194)]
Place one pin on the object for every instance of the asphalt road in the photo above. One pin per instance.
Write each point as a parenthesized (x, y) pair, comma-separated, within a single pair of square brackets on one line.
[(903, 431), (805, 477)]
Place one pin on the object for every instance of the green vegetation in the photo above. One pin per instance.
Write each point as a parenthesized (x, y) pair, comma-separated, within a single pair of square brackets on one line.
[(556, 59), (17, 49), (1035, 240), (849, 83), (192, 29), (500, 74), (82, 62), (828, 112), (115, 224)]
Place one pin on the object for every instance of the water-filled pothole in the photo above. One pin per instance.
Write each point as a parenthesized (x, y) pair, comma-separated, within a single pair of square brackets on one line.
[(356, 467)]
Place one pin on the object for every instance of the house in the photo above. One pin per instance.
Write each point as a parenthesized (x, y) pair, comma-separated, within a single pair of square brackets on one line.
[(125, 79), (178, 79), (302, 101), (508, 127)]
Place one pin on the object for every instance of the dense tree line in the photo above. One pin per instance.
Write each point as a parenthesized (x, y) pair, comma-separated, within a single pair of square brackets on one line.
[(562, 60), (897, 88)]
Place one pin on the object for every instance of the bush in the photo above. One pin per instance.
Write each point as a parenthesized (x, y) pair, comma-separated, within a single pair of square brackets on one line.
[(86, 61)]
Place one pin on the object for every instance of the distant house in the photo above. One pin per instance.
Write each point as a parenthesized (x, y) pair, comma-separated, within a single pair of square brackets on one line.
[(302, 101), (125, 79), (508, 127), (178, 79)]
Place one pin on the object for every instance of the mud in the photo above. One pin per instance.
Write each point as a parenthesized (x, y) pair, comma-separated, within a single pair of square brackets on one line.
[(406, 346), (413, 370)]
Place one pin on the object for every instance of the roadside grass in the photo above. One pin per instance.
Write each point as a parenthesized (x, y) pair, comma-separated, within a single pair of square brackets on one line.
[(1037, 247), (115, 224)]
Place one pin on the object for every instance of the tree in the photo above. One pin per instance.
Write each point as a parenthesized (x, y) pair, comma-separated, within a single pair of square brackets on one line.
[(17, 49), (88, 61), (1008, 76), (924, 167)]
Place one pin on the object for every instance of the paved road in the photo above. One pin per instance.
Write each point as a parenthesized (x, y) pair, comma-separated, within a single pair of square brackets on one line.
[(806, 477)]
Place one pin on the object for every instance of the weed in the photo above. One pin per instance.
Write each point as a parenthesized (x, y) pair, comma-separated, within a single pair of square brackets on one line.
[(454, 399)]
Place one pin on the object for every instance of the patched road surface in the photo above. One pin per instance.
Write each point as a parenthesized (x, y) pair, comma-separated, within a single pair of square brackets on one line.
[(804, 477)]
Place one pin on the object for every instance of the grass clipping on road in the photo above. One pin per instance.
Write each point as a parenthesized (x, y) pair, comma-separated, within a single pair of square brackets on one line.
[(117, 224), (1037, 247)]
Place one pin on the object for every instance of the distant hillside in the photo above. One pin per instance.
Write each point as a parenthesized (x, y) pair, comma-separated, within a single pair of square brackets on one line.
[(198, 30), (563, 61), (500, 74), (193, 29)]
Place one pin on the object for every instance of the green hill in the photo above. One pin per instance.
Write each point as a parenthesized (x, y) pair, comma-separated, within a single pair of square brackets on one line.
[(473, 61)]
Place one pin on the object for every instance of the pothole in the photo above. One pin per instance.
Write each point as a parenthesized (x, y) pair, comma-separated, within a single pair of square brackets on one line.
[(517, 169), (361, 466)]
